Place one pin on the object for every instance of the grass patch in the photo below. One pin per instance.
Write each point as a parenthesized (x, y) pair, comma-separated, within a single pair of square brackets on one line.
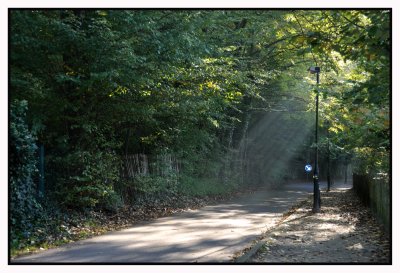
[(204, 187)]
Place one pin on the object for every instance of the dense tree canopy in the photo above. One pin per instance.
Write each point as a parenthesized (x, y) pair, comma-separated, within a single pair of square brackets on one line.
[(201, 85)]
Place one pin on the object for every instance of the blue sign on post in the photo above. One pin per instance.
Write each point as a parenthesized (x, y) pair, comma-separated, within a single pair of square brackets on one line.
[(308, 168)]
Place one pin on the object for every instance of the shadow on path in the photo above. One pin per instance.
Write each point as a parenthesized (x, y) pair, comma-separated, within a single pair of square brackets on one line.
[(210, 234)]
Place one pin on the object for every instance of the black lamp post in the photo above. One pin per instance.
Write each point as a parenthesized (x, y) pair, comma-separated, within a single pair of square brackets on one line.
[(317, 197)]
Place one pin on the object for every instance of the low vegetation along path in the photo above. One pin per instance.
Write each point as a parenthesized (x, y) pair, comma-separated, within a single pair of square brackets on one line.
[(210, 234)]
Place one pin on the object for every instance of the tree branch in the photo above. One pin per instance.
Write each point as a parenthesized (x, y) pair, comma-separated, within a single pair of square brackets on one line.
[(302, 31), (353, 23)]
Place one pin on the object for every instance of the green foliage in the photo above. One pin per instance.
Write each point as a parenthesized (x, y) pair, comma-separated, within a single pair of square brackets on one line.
[(22, 170), (102, 84), (93, 183), (150, 184), (353, 49)]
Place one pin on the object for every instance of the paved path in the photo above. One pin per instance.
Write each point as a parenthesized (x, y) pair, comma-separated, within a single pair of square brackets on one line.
[(210, 234)]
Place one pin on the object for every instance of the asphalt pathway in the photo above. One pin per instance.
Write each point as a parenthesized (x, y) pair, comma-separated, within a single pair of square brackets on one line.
[(208, 235)]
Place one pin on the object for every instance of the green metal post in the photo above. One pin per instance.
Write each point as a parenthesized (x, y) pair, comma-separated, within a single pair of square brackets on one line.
[(41, 170)]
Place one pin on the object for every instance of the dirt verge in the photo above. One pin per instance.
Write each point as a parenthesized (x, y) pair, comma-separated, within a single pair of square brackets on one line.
[(344, 232)]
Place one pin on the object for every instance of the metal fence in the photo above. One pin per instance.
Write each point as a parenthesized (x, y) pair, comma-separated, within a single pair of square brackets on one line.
[(141, 165)]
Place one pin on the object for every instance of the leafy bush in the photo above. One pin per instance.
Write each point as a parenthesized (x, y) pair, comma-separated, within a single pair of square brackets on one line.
[(22, 167), (92, 185), (371, 161)]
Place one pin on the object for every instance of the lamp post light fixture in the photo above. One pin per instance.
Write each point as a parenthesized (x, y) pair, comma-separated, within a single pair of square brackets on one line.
[(317, 195)]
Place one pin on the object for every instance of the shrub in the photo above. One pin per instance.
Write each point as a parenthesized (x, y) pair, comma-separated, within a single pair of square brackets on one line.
[(92, 184), (24, 207)]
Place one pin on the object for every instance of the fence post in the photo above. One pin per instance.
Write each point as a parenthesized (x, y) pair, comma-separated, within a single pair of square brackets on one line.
[(41, 170)]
